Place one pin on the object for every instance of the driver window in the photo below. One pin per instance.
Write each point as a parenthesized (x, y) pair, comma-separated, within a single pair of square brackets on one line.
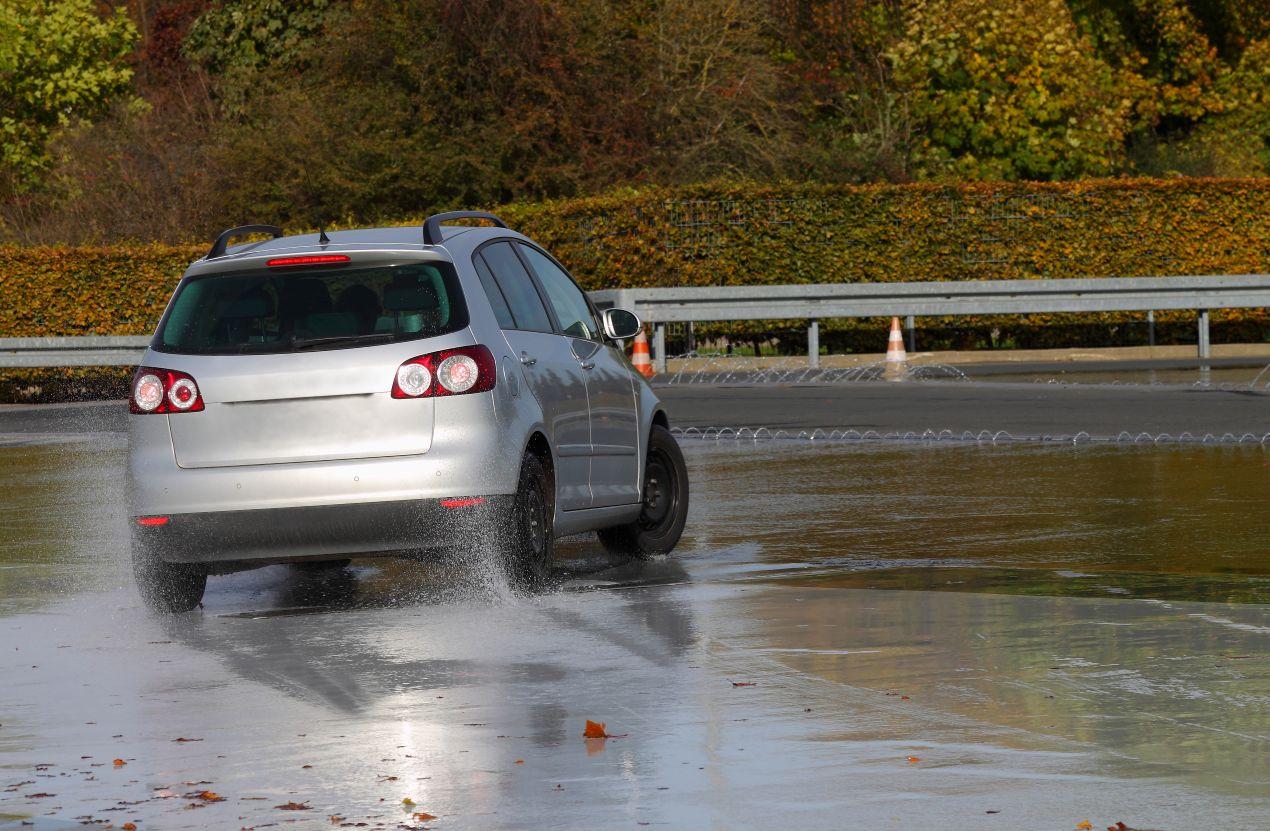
[(565, 297)]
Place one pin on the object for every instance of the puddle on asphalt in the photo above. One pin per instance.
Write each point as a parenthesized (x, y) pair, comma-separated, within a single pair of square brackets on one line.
[(1020, 638), (1181, 523)]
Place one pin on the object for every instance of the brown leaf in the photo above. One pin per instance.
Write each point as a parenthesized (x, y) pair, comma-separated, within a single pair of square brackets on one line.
[(293, 806), (745, 683), (209, 796), (423, 816), (120, 763), (596, 730), (129, 826), (1084, 825), (183, 739), (912, 760)]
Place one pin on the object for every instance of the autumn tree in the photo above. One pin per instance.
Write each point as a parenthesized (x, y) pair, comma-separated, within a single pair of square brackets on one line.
[(60, 62), (1008, 89)]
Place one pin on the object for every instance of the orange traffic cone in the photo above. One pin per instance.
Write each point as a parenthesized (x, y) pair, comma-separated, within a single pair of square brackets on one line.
[(639, 356), (896, 357)]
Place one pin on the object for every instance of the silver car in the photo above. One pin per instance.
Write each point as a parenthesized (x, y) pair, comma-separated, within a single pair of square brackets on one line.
[(310, 399)]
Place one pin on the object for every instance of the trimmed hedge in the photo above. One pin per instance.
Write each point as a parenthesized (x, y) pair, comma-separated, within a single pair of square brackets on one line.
[(738, 234)]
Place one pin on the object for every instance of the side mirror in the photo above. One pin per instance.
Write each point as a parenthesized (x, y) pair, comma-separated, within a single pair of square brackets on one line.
[(620, 324)]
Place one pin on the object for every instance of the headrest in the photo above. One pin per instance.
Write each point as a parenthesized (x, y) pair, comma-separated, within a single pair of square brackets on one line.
[(410, 298), (250, 306)]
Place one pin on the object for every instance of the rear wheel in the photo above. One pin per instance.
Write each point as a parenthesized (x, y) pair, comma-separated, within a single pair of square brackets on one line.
[(525, 539), (665, 503), (167, 587)]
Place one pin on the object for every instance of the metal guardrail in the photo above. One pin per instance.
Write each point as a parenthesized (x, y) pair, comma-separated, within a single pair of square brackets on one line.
[(810, 302), (972, 297), (97, 350)]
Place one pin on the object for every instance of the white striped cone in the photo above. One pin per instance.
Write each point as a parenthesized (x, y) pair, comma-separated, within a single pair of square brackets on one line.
[(639, 356), (896, 356)]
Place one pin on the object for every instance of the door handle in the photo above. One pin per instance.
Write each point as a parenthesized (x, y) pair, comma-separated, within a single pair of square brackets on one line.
[(526, 360), (588, 365)]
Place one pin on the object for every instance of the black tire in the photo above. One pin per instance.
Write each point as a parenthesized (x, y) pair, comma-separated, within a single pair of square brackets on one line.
[(665, 496), (167, 587), (525, 537)]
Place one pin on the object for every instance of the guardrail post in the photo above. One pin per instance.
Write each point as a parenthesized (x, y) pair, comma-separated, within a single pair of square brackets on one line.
[(912, 333), (659, 348), (1205, 351), (813, 343), (1151, 328), (692, 338)]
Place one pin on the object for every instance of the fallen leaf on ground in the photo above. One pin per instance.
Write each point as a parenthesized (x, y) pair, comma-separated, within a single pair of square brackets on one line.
[(120, 763), (745, 683), (407, 801), (335, 819), (520, 761), (903, 698), (423, 816), (129, 826), (596, 730), (183, 739), (1085, 825), (209, 796), (40, 795), (292, 806), (912, 760)]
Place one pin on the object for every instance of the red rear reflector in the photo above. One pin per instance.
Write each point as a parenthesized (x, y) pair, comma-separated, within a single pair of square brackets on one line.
[(152, 520), (462, 502), (310, 259)]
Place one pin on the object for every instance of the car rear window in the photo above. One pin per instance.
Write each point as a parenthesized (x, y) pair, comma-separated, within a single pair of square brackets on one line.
[(330, 308)]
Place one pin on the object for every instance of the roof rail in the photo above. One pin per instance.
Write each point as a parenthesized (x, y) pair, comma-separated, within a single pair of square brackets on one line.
[(222, 242), (432, 225)]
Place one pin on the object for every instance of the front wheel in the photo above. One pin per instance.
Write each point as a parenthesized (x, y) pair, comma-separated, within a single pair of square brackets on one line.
[(167, 587), (665, 503)]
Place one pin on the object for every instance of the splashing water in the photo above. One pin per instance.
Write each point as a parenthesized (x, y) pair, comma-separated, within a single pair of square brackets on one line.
[(757, 435), (718, 368)]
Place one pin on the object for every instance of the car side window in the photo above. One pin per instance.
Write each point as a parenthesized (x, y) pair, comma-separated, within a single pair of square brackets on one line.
[(517, 287), (496, 300), (568, 301)]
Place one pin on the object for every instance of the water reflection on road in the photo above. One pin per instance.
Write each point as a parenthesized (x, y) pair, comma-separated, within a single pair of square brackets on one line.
[(1052, 634)]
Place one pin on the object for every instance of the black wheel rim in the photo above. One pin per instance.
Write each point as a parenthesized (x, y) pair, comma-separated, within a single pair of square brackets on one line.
[(535, 519), (661, 493)]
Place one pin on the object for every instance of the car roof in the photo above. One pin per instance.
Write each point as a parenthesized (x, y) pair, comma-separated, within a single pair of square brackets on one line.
[(401, 237)]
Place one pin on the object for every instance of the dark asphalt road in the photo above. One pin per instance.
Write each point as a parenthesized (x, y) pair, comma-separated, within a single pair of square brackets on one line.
[(1021, 409)]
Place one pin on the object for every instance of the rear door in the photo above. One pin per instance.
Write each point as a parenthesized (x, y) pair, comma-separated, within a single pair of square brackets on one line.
[(551, 370), (609, 383), (296, 365)]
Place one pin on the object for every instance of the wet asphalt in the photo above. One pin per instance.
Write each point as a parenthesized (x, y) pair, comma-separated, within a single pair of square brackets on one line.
[(1024, 409), (877, 635)]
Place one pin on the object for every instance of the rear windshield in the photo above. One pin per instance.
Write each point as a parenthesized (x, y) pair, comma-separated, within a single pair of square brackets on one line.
[(330, 308)]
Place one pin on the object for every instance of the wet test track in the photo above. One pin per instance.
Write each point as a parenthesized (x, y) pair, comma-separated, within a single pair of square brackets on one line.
[(925, 637)]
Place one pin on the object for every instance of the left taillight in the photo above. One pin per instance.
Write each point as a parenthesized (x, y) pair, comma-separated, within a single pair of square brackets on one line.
[(460, 371), (156, 391)]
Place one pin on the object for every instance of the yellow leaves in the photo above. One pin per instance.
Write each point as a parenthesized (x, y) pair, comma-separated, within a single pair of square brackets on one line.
[(1085, 825)]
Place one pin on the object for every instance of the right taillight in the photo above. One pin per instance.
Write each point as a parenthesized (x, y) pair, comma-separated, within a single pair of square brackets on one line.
[(156, 391), (460, 371)]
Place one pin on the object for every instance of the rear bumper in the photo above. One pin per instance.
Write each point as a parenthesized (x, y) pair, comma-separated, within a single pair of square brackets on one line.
[(282, 535)]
